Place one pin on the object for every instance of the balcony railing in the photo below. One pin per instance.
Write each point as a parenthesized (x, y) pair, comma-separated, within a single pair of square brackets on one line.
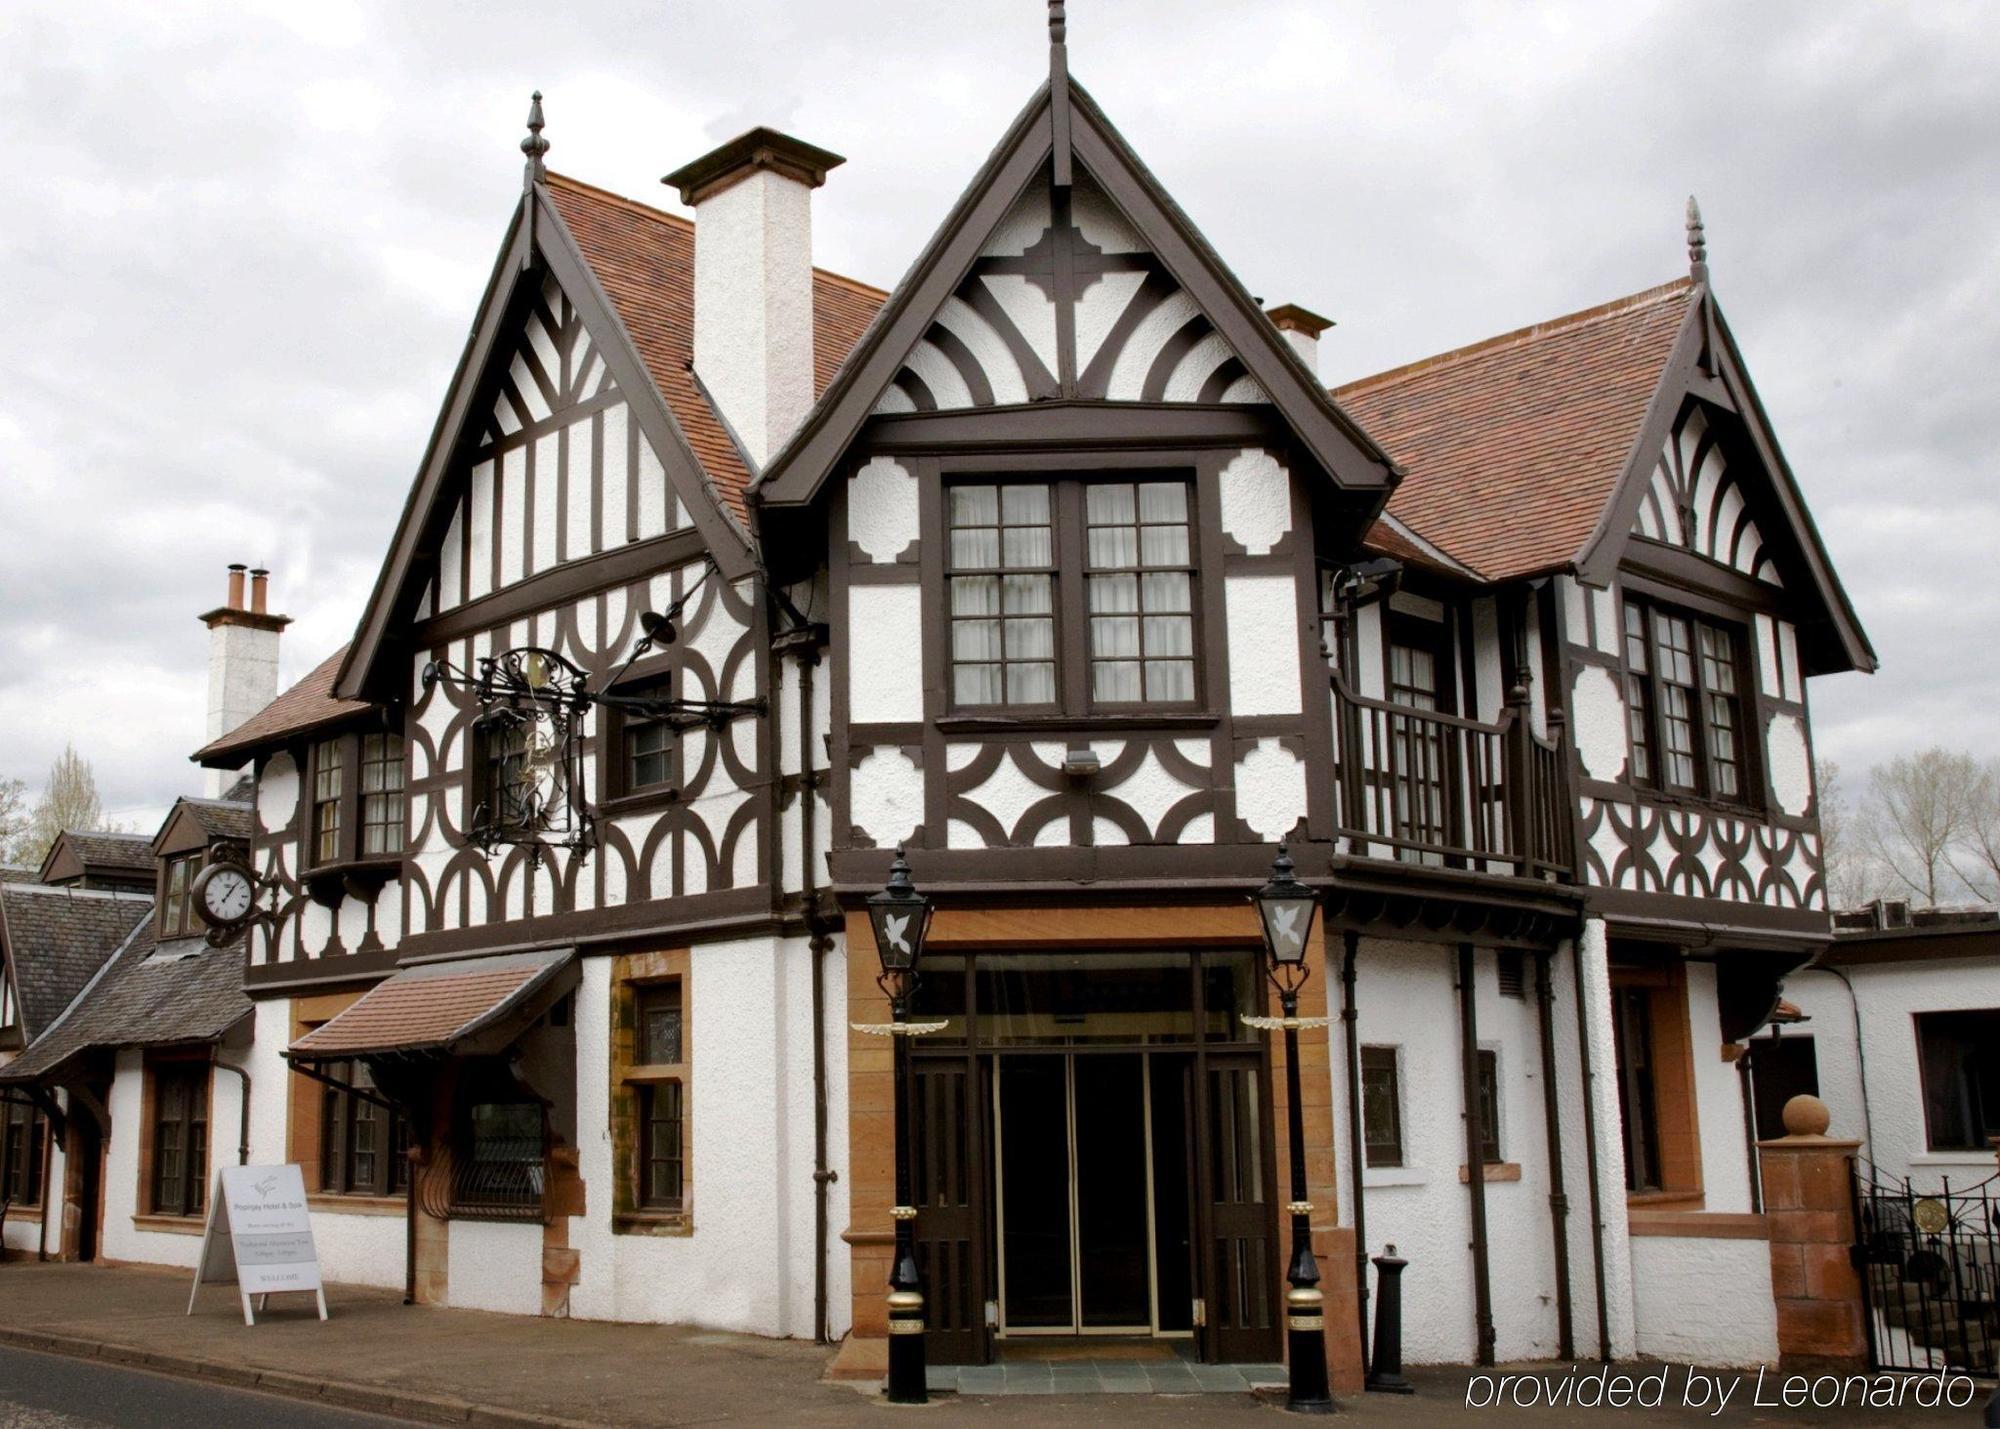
[(1422, 786)]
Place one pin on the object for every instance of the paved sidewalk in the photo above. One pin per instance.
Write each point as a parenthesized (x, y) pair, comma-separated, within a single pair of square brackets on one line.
[(464, 1367)]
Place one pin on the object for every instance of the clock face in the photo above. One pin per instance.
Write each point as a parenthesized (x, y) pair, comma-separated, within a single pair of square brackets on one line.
[(226, 894)]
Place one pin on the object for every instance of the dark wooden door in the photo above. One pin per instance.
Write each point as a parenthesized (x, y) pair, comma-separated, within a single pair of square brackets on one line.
[(947, 1172), (1239, 1260), (1781, 1068)]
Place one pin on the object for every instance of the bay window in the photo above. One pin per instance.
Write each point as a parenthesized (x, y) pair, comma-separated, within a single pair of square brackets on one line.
[(1685, 698)]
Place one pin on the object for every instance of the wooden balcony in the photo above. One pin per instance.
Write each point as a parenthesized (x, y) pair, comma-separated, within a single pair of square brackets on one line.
[(1426, 788)]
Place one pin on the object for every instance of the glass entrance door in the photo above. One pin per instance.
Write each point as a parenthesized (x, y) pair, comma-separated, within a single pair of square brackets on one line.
[(1082, 1219)]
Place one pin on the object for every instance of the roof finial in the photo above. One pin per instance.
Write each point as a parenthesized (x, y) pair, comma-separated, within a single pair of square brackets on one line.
[(534, 146), (1059, 93), (1697, 243)]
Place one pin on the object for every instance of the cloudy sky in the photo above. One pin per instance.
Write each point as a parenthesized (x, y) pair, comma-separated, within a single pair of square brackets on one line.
[(243, 242)]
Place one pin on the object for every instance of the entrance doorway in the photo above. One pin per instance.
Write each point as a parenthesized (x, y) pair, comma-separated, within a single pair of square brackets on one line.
[(1091, 1155), (1093, 1202)]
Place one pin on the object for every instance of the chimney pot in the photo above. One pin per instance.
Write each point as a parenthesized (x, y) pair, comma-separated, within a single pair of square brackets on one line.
[(1301, 328), (257, 592), (235, 600), (753, 281)]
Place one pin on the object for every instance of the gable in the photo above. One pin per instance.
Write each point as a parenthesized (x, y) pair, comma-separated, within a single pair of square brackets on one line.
[(1693, 501), (555, 471), (1065, 296), (1065, 274)]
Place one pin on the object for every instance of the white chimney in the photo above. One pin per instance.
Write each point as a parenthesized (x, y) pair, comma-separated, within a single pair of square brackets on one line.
[(242, 662), (753, 292), (1301, 329)]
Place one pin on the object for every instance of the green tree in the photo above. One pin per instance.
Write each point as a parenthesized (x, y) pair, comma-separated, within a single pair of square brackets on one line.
[(69, 801)]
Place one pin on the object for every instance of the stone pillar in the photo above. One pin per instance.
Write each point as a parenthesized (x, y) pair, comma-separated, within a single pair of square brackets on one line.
[(1809, 1202)]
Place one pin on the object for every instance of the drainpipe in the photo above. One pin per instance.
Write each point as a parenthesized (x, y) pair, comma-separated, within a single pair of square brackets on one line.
[(1590, 1154), (1475, 1163), (1743, 1074), (820, 944), (1545, 1007), (243, 1128), (1349, 1014)]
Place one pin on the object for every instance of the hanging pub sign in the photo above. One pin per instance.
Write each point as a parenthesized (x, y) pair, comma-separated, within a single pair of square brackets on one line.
[(526, 756), (259, 1237)]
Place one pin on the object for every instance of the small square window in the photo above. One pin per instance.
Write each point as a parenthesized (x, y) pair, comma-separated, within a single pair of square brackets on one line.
[(1381, 1107), (659, 1025)]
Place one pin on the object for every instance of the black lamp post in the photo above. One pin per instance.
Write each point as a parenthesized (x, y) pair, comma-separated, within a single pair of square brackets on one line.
[(1285, 910), (901, 917)]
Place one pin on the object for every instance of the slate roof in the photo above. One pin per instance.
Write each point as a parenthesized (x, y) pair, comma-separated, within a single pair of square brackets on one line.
[(56, 940), (307, 705), (1513, 446), (105, 850), (221, 818), (147, 996), (644, 260)]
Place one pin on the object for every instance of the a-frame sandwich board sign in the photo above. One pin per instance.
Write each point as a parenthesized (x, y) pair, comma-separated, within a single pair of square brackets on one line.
[(259, 1237)]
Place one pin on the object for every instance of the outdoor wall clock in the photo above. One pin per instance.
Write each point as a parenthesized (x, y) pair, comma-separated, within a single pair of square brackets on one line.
[(225, 896)]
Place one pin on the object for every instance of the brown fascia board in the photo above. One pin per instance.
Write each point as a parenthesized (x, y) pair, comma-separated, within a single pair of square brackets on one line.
[(761, 148), (1598, 561), (1334, 439), (357, 670), (233, 756)]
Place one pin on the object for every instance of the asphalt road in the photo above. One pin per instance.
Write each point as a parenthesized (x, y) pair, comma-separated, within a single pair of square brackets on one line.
[(52, 1392)]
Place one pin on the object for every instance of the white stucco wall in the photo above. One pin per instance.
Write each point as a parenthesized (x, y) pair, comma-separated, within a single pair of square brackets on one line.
[(1406, 998), (1704, 1301), (1718, 1098), (1889, 995), (495, 1265), (747, 1263)]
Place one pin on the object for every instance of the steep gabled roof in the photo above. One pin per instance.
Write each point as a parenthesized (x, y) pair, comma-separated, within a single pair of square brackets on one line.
[(100, 850), (1027, 151), (55, 940), (1514, 446), (644, 260), (1529, 452), (215, 818), (306, 706)]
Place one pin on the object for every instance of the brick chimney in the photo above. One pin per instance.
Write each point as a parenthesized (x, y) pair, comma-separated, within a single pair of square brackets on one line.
[(753, 296), (1301, 329), (242, 661)]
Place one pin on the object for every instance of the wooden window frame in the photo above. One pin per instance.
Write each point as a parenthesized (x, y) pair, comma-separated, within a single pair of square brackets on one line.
[(349, 805), (636, 1083), (24, 1134), (1402, 629), (340, 1114), (1389, 1151), (1069, 574), (195, 1072), (1488, 1067), (1645, 706), (1676, 1125), (616, 791), (177, 918), (1930, 1093), (397, 760)]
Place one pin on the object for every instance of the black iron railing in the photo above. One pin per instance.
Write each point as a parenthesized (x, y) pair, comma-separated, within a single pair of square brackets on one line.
[(1930, 1272), (1422, 786)]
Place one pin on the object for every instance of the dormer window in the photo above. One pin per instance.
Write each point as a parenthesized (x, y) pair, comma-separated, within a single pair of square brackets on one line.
[(1071, 596), (329, 763), (177, 915), (381, 795)]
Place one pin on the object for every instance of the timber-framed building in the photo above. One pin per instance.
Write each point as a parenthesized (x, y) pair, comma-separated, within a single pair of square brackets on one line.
[(1060, 567)]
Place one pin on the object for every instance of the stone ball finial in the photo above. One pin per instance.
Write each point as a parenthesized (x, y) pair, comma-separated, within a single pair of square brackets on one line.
[(1806, 1115)]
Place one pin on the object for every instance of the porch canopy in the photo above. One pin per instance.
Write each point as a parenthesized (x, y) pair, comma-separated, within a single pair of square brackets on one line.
[(455, 1007)]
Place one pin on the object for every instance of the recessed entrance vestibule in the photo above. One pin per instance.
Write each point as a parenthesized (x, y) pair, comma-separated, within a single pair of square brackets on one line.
[(1092, 1155)]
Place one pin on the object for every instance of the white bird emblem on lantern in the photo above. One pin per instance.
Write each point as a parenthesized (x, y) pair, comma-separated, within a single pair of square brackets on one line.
[(896, 928), (1284, 927)]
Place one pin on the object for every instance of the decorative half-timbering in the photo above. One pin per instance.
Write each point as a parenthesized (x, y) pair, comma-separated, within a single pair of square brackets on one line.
[(1692, 502)]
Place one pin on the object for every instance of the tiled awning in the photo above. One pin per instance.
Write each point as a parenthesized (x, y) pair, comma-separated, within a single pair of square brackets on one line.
[(457, 1007)]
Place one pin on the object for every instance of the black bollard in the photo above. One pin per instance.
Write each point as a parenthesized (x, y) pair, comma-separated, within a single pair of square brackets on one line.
[(1992, 1415), (1385, 1374)]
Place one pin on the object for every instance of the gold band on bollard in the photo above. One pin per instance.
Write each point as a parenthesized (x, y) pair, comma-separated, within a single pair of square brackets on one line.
[(1298, 1208), (908, 1300), (1308, 1322), (906, 1327), (902, 1213)]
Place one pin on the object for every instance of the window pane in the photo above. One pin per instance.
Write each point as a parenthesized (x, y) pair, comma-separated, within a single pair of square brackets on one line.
[(1489, 1107), (1105, 502), (660, 1025), (1167, 590), (975, 639), (1163, 501), (976, 684), (1114, 594), (1169, 635), (975, 595), (1163, 545), (975, 506), (1031, 684), (1024, 505), (1170, 681), (1113, 546), (1027, 546), (1635, 638), (1381, 1107), (1114, 635), (1031, 639), (976, 549), (1114, 680)]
